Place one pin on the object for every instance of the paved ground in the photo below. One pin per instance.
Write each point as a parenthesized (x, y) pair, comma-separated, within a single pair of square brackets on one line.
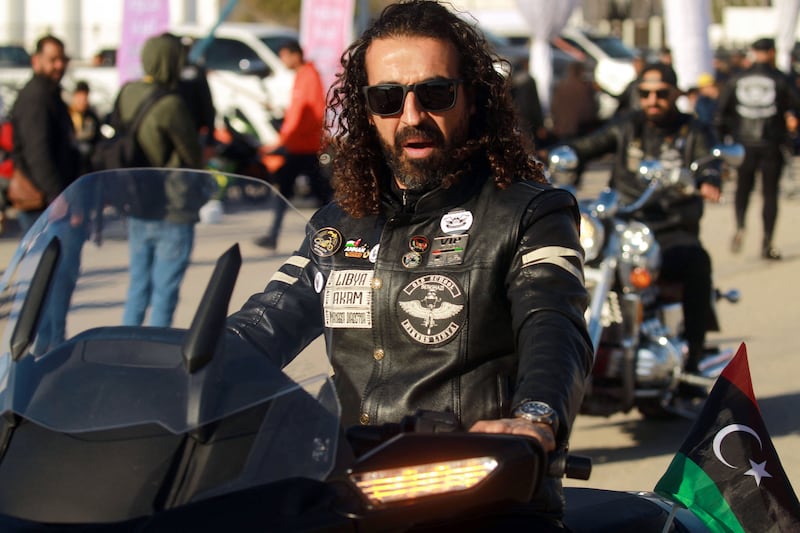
[(628, 451)]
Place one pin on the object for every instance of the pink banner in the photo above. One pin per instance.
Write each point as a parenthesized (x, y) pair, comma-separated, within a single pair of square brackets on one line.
[(141, 19), (326, 29)]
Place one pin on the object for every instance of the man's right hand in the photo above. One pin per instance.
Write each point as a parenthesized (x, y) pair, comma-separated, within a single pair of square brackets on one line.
[(710, 192)]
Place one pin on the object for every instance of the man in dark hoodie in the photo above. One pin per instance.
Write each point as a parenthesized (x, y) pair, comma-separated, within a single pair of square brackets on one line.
[(167, 134), (44, 141), (161, 225)]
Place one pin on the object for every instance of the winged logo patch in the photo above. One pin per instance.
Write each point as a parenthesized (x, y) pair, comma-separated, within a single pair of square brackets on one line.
[(432, 309)]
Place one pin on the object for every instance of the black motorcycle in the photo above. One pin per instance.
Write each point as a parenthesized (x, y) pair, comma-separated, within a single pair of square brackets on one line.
[(167, 429)]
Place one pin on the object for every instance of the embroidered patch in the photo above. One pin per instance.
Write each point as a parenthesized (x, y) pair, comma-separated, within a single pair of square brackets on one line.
[(356, 248), (456, 221), (347, 301), (432, 309), (326, 242)]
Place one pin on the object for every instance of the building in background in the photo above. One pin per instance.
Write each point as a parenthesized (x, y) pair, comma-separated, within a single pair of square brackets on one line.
[(87, 26)]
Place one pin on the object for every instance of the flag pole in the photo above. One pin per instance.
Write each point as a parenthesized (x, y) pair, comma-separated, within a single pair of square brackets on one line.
[(670, 518)]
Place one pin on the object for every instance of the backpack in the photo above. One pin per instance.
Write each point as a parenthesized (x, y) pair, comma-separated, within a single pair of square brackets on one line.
[(123, 150)]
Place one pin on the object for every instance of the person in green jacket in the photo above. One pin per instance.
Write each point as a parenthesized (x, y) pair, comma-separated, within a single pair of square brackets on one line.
[(161, 223), (167, 134)]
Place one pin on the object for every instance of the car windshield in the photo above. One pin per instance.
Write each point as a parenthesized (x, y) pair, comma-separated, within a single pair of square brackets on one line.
[(14, 56), (273, 42), (612, 46)]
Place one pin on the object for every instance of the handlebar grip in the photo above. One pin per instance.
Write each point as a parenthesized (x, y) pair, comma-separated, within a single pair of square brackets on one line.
[(570, 466)]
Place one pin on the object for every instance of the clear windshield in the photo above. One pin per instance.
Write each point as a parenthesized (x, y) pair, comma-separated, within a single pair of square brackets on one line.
[(612, 46), (82, 371)]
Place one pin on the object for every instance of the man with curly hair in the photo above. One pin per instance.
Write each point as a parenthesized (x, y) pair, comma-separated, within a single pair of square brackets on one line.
[(446, 274)]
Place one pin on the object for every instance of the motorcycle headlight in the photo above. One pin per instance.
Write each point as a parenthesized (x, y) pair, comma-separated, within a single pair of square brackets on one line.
[(383, 487), (592, 236), (636, 240)]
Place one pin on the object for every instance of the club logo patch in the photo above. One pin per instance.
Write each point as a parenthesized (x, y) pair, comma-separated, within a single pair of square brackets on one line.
[(326, 242), (432, 309)]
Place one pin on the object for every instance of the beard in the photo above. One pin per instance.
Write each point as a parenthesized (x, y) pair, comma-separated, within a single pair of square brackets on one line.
[(423, 174)]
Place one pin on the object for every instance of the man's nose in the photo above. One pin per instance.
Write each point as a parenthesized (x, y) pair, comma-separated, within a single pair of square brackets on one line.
[(412, 111)]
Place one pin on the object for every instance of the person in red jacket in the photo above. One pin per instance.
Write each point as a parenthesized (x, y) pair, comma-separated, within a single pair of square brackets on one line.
[(300, 136)]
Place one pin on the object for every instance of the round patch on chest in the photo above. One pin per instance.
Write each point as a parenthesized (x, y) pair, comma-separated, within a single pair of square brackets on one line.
[(432, 309)]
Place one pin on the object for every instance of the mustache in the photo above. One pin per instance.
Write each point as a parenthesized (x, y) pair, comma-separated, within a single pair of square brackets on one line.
[(425, 133)]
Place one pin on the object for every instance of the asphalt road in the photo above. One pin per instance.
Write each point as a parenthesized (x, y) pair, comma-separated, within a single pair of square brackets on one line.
[(629, 452)]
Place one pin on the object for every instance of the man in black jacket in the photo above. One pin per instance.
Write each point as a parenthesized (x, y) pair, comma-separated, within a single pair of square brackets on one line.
[(46, 151), (658, 130), (753, 108), (446, 275), (45, 148)]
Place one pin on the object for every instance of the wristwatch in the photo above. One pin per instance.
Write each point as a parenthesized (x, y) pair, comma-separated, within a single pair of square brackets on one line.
[(537, 412)]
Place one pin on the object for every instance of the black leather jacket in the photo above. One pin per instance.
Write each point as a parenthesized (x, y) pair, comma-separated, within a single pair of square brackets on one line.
[(45, 148), (469, 302), (752, 106), (679, 141)]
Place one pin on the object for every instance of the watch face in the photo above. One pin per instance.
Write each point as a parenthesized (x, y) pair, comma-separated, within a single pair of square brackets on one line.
[(536, 408), (537, 412)]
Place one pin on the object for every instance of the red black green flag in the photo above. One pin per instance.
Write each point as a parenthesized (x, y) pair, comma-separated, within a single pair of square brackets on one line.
[(727, 471)]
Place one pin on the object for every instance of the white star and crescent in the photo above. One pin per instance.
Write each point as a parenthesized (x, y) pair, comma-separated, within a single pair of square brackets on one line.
[(757, 470)]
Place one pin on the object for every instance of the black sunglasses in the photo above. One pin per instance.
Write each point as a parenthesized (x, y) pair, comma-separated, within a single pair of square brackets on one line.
[(661, 94), (387, 99)]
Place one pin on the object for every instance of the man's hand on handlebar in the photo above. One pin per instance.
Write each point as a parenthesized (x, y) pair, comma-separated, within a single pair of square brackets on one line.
[(518, 426)]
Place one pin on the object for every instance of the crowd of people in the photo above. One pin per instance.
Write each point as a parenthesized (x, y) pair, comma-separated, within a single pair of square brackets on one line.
[(746, 99), (573, 113)]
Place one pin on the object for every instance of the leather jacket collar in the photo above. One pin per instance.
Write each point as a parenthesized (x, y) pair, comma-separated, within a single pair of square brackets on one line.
[(398, 202)]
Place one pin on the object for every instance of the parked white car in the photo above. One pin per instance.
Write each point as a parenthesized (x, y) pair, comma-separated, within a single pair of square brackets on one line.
[(607, 56), (247, 79), (608, 59)]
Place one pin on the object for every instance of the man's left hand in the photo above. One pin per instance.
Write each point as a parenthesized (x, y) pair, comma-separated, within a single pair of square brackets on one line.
[(518, 426)]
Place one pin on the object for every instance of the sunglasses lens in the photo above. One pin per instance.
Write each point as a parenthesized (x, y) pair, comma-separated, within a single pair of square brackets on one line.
[(661, 94), (436, 95), (385, 99)]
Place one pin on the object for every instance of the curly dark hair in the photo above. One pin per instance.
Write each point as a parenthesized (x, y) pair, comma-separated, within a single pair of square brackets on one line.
[(494, 143)]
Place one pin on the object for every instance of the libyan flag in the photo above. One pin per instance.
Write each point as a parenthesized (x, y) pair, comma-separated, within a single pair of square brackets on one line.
[(727, 471)]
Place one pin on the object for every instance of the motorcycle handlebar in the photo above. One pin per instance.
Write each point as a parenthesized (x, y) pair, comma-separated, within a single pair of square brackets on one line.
[(363, 439), (570, 466)]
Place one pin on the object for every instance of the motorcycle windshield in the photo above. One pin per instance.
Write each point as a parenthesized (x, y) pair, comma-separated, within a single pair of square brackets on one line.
[(80, 369)]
